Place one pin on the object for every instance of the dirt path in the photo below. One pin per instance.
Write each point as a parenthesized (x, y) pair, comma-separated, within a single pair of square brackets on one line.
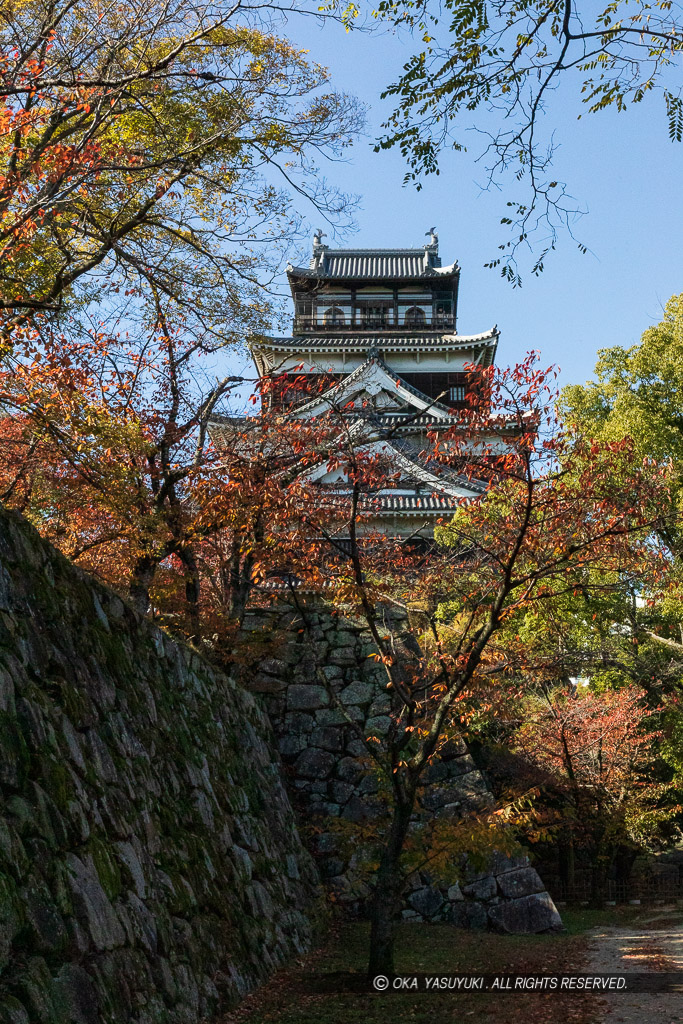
[(652, 944)]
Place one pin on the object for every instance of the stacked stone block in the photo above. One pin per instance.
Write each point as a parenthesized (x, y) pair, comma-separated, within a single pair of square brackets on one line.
[(330, 778), (150, 866)]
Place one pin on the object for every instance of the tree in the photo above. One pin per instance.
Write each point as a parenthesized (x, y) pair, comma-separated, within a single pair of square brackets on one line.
[(121, 434), (596, 752), (538, 534), (492, 67), (122, 489), (140, 149), (254, 510), (149, 158), (106, 452), (637, 394)]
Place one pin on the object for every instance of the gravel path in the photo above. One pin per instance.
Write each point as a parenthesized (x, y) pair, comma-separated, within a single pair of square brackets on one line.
[(652, 944)]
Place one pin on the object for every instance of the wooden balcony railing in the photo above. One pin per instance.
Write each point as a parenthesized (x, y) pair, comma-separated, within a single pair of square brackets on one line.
[(330, 325)]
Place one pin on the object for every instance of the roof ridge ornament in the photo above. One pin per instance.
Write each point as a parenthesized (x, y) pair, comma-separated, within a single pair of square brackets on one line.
[(319, 250), (431, 257)]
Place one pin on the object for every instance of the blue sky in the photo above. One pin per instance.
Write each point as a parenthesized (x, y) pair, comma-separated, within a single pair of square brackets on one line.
[(622, 168)]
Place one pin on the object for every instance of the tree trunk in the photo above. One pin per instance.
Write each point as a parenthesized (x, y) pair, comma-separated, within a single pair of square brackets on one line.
[(386, 901), (597, 887), (567, 861), (571, 859), (239, 577), (141, 581), (599, 870), (624, 860), (191, 591)]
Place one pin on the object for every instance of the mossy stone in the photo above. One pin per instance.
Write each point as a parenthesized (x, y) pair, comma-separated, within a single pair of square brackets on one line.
[(34, 987), (57, 781), (107, 867), (46, 931), (21, 814), (12, 1012), (77, 704), (120, 746), (13, 856), (12, 917), (75, 995), (15, 757), (48, 823)]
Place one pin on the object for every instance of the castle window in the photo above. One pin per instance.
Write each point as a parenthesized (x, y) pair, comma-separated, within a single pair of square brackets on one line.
[(374, 312), (304, 304), (443, 313), (334, 317), (443, 387), (414, 317)]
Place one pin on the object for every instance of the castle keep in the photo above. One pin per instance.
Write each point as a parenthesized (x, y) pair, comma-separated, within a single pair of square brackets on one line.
[(374, 336), (375, 331)]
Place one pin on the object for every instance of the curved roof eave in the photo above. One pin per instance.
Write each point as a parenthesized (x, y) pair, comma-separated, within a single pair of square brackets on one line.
[(457, 487), (386, 342), (421, 273)]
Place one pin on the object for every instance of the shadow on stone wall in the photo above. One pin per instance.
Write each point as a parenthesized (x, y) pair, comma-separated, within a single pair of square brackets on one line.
[(150, 865)]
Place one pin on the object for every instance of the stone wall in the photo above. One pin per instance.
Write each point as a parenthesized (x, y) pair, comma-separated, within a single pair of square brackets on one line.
[(150, 866), (329, 780)]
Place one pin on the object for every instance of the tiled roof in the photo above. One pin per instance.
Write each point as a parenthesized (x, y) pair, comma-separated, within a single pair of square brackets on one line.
[(416, 503), (376, 262), (373, 264), (430, 469), (409, 420), (385, 341)]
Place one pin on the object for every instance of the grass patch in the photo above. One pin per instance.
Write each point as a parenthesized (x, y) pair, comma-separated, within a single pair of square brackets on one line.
[(308, 992), (578, 920)]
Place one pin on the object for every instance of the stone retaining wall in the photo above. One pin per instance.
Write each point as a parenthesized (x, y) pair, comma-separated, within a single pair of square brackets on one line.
[(329, 779), (150, 866)]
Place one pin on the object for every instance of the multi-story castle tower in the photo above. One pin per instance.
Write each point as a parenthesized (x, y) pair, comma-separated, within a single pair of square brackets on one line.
[(375, 332), (399, 303), (378, 326)]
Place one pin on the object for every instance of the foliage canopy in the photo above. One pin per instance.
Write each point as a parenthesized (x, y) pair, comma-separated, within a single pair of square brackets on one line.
[(154, 146), (489, 68)]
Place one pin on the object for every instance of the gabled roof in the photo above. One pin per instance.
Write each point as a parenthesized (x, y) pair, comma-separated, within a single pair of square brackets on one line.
[(372, 263), (442, 479), (373, 376), (423, 487), (445, 487)]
